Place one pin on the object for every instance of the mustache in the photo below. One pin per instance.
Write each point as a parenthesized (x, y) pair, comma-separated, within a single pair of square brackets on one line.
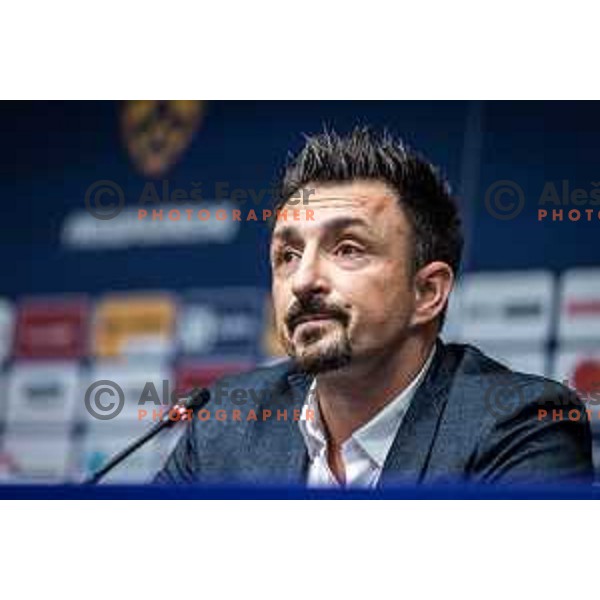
[(312, 307)]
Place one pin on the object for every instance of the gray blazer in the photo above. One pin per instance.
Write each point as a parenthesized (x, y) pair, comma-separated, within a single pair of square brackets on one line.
[(471, 420)]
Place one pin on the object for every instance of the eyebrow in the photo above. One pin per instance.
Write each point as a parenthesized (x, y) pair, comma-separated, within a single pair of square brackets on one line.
[(289, 232)]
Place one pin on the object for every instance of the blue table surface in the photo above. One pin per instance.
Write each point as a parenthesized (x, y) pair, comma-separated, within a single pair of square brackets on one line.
[(143, 492)]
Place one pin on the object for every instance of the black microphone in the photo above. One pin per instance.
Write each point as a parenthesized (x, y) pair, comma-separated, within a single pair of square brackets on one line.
[(197, 400)]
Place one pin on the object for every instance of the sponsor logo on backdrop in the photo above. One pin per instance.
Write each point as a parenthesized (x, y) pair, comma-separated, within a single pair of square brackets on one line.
[(579, 318), (158, 132), (507, 306), (52, 328), (134, 325), (222, 323), (8, 467), (6, 328), (44, 393), (113, 392), (578, 366), (81, 231), (586, 375), (36, 457)]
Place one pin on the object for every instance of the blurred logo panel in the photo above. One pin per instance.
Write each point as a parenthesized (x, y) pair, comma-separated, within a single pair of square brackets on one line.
[(135, 325), (148, 386), (82, 231), (222, 323), (579, 318), (579, 368), (31, 457), (6, 328), (157, 132), (43, 394), (52, 328), (3, 398), (513, 307)]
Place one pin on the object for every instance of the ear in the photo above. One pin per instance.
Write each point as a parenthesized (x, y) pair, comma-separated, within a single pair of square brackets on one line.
[(432, 286)]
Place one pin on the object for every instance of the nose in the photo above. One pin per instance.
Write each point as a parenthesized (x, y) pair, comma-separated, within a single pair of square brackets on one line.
[(310, 278)]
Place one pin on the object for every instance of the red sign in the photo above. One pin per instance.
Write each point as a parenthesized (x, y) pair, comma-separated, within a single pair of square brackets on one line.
[(586, 378), (52, 328)]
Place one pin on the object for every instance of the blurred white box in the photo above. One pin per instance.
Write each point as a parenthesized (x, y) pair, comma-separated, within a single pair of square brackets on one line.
[(579, 369), (42, 394), (32, 457), (6, 329), (108, 386), (579, 318), (510, 306)]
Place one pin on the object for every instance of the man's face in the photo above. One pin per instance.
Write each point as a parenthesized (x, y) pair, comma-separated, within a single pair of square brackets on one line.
[(342, 285)]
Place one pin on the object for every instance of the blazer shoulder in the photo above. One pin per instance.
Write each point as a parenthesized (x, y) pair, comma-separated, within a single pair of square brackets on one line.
[(505, 425)]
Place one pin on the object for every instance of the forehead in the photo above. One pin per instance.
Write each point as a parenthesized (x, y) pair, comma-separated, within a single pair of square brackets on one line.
[(371, 204)]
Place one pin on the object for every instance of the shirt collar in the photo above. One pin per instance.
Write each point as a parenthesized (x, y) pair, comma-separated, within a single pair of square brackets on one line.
[(376, 436)]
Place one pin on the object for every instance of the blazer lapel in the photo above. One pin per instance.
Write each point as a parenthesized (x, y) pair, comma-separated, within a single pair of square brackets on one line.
[(407, 459), (277, 453)]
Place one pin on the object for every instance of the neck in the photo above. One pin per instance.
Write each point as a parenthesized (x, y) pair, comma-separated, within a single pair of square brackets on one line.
[(350, 397)]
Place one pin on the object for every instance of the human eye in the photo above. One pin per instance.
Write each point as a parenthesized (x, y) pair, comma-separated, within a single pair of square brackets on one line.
[(289, 255), (349, 250), (285, 255)]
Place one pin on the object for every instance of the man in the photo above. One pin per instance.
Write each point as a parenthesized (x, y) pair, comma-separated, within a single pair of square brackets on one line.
[(360, 288)]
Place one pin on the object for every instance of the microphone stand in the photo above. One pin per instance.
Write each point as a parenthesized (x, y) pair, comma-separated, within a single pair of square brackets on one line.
[(197, 400)]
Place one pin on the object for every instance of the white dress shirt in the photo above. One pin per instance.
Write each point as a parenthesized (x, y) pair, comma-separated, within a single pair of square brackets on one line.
[(364, 452)]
